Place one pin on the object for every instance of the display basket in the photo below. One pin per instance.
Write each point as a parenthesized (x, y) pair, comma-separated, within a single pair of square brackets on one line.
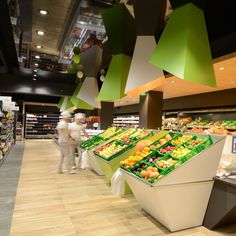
[(206, 142), (129, 146)]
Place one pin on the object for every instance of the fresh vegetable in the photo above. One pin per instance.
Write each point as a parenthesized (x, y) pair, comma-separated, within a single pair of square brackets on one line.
[(167, 149)]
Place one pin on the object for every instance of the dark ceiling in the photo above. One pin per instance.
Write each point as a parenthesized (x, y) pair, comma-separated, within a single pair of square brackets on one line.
[(221, 26)]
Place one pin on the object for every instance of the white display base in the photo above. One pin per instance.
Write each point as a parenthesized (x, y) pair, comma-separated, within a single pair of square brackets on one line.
[(201, 167), (93, 164), (177, 207), (179, 200), (89, 162)]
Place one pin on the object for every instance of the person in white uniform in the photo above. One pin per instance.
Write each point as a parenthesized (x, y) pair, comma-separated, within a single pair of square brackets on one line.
[(64, 142), (76, 129)]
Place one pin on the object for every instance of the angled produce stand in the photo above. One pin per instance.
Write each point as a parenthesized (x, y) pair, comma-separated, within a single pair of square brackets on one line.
[(89, 145), (110, 165), (183, 187)]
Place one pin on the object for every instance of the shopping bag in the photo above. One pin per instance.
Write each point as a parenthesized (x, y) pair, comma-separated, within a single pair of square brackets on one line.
[(118, 183), (84, 160)]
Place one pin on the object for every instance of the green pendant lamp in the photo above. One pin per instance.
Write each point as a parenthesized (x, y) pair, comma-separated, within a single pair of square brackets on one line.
[(65, 104), (77, 102), (121, 32), (183, 48), (116, 77)]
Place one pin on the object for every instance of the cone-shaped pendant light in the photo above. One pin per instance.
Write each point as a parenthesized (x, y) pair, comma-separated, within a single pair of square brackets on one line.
[(120, 29), (89, 92), (114, 85), (78, 103), (143, 75), (183, 49), (65, 104)]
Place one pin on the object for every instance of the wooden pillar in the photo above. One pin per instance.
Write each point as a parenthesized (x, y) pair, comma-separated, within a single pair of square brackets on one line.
[(150, 110), (106, 114)]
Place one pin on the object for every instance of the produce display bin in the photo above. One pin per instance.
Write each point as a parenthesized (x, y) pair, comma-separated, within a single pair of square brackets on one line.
[(110, 167), (185, 190)]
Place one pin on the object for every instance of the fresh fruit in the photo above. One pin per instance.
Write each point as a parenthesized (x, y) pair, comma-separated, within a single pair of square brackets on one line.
[(195, 142), (125, 136), (149, 173), (130, 161), (180, 152), (181, 140), (140, 134), (109, 132), (167, 149), (166, 163), (152, 159), (110, 149), (162, 141), (91, 143), (142, 144)]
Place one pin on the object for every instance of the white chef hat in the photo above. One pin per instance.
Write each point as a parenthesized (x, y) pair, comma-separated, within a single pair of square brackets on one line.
[(79, 115), (65, 114)]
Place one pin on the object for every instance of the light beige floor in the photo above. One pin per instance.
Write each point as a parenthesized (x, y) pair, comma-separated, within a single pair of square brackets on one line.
[(48, 204)]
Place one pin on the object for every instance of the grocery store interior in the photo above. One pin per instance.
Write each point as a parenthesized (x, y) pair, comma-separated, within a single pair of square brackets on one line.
[(117, 118)]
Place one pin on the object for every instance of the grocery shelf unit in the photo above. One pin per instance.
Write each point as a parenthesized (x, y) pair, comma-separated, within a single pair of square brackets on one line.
[(126, 121), (213, 116), (186, 190), (40, 125), (110, 167), (6, 134)]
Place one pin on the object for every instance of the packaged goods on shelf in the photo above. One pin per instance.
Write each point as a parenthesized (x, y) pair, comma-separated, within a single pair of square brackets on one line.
[(41, 125), (126, 121)]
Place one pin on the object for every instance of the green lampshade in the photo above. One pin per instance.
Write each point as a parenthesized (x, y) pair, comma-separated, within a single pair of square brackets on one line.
[(120, 29), (183, 49), (65, 104), (114, 84), (59, 105), (69, 104), (78, 103)]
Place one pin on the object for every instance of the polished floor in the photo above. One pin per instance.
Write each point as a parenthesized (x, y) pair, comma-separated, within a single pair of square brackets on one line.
[(48, 204)]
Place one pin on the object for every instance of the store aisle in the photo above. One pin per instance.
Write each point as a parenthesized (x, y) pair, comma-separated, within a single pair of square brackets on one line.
[(48, 204), (9, 176)]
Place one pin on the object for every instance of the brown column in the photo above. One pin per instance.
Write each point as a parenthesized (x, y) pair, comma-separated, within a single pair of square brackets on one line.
[(150, 110), (106, 115)]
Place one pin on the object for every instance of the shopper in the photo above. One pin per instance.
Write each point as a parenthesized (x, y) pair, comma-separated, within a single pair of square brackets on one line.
[(64, 142), (76, 129)]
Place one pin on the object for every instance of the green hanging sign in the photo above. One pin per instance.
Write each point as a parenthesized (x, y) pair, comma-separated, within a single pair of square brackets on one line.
[(183, 48), (114, 84)]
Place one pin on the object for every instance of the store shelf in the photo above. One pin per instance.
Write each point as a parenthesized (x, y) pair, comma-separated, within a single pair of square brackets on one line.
[(130, 121), (35, 124)]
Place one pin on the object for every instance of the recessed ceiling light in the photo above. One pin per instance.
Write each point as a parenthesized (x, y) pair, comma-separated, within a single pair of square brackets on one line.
[(39, 46), (34, 78), (232, 82), (35, 70), (40, 32), (37, 57), (35, 75), (221, 68), (43, 12), (36, 64)]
